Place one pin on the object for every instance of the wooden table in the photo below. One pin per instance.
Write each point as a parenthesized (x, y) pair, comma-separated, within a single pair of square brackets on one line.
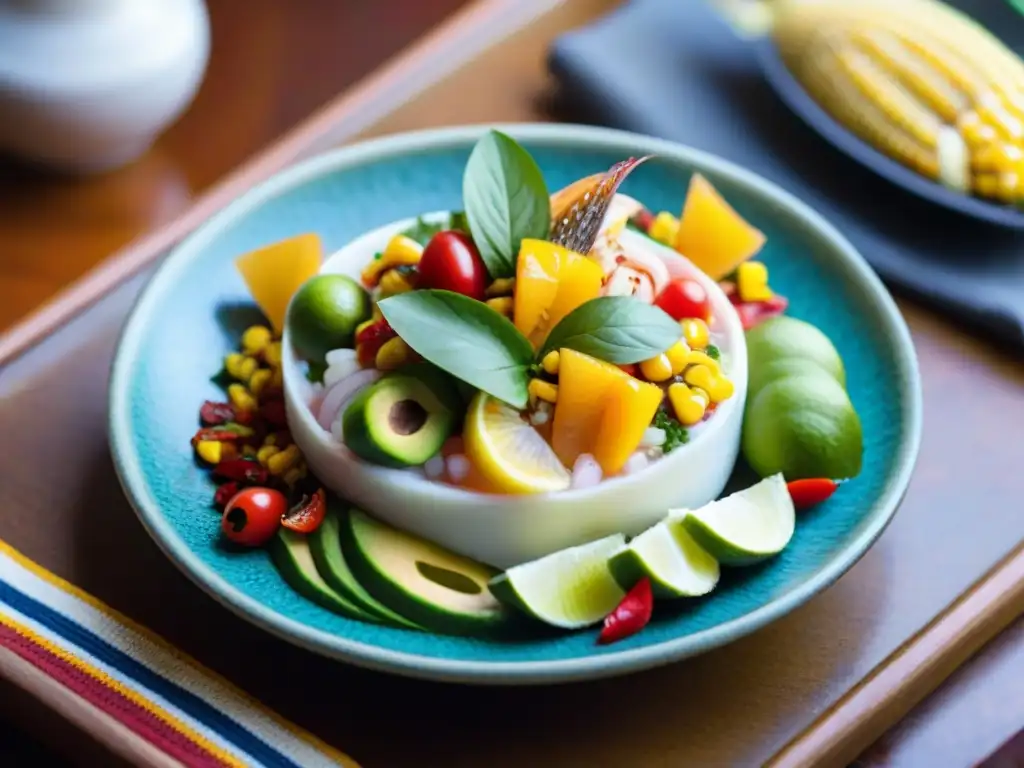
[(487, 65)]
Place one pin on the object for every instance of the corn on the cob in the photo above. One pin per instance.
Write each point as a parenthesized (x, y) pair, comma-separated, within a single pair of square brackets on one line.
[(919, 80)]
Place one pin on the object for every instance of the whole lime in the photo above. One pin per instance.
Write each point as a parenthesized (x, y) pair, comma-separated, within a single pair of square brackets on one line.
[(768, 371), (323, 315), (789, 337), (803, 425)]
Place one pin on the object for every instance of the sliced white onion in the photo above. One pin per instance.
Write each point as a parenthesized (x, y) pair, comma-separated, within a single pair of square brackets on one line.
[(653, 436), (539, 417), (458, 467), (434, 466), (341, 393), (586, 472), (635, 463), (341, 363)]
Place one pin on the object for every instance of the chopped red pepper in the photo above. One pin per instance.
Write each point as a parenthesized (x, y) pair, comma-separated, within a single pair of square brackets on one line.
[(214, 414), (216, 434), (631, 615), (370, 340), (810, 491), (306, 516), (225, 493), (242, 470), (274, 413), (755, 312)]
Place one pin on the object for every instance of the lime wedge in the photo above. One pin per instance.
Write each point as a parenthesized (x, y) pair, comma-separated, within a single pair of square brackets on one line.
[(746, 527), (571, 588), (676, 564)]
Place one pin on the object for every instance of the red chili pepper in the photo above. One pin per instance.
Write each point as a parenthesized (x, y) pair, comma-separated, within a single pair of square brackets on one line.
[(274, 413), (629, 616), (753, 313), (371, 339), (242, 470), (225, 493), (306, 516), (810, 491), (214, 414), (218, 435)]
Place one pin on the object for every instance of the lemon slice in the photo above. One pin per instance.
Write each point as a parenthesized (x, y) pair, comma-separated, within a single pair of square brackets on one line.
[(512, 455)]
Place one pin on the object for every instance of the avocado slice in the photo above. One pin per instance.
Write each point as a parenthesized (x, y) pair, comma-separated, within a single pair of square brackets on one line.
[(402, 419), (325, 546), (439, 590), (294, 561)]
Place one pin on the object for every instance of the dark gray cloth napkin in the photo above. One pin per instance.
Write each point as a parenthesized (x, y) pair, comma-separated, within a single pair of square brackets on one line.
[(677, 70)]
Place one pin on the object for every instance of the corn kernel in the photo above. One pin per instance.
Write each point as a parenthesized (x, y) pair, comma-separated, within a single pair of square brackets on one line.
[(249, 451), (543, 390), (394, 282), (696, 357), (689, 404), (550, 362), (678, 355), (210, 451), (270, 439), (295, 474), (255, 339), (233, 364), (259, 380), (752, 281), (718, 387), (657, 368), (272, 354), (401, 250), (664, 228), (284, 460), (263, 454), (503, 286), (501, 305), (393, 353), (695, 332), (241, 398), (277, 379)]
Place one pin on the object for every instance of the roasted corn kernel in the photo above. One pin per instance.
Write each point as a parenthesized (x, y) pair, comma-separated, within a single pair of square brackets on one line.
[(678, 356), (264, 453), (241, 398), (543, 390), (255, 339), (259, 380), (284, 460), (272, 354), (550, 362)]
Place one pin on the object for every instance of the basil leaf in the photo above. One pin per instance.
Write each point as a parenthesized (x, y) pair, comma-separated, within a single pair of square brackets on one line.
[(506, 200), (619, 329), (422, 231), (466, 338)]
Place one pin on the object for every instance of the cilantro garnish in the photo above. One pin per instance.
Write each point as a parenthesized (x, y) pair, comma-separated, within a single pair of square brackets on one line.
[(713, 352), (675, 433)]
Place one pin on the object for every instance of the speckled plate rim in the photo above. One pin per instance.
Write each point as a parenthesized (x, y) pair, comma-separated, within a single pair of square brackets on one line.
[(130, 475)]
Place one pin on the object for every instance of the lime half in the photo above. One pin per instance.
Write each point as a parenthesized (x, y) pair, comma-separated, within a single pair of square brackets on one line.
[(571, 588), (746, 527), (676, 564)]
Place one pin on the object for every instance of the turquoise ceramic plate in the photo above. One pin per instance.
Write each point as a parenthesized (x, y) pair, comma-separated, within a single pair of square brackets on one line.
[(189, 316)]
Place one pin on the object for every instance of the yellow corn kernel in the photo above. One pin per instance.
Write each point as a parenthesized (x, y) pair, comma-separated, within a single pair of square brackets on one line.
[(265, 452), (249, 451), (284, 460), (697, 357), (997, 157), (295, 474), (241, 398), (210, 451), (503, 286), (255, 339), (752, 281), (400, 251), (277, 378), (657, 368), (233, 364), (502, 305), (543, 390), (550, 362), (678, 355), (689, 404), (272, 354), (270, 439), (974, 131), (664, 228), (393, 353), (717, 386), (259, 379), (695, 332), (394, 282)]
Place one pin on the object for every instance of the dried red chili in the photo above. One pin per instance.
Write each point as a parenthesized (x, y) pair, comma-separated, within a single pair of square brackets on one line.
[(214, 414), (242, 470), (225, 493), (307, 514), (810, 491), (631, 615)]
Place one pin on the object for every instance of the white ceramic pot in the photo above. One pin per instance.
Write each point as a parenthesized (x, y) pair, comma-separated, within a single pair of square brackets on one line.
[(87, 85)]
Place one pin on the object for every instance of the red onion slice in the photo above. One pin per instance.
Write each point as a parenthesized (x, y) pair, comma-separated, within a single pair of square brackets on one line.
[(340, 394)]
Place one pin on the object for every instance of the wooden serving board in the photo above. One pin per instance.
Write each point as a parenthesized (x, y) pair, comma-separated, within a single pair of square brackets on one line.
[(815, 688)]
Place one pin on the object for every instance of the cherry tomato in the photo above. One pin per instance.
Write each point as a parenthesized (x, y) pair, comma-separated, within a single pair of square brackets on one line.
[(253, 516), (685, 297), (306, 516), (451, 262)]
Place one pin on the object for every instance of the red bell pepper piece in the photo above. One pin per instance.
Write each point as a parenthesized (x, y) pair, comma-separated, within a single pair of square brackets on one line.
[(241, 470), (755, 312), (225, 493), (306, 516), (629, 616), (213, 414), (810, 491), (370, 340)]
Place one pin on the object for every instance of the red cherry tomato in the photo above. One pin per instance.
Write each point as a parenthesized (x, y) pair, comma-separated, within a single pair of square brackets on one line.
[(685, 297), (253, 516), (451, 262)]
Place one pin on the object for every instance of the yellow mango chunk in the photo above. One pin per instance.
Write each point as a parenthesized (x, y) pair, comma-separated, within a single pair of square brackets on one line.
[(275, 272), (583, 384), (712, 234), (551, 281), (629, 408)]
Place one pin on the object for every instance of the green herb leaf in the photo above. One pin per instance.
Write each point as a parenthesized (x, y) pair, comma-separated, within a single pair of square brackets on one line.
[(675, 433), (422, 231), (713, 352), (506, 200), (315, 372), (459, 222), (619, 329), (466, 338)]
